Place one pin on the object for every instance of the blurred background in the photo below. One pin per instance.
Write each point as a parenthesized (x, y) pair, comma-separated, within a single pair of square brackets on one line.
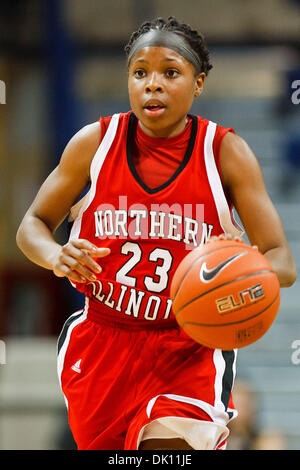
[(62, 65)]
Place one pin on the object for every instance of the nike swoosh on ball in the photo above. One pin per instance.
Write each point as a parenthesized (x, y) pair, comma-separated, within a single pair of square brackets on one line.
[(207, 275)]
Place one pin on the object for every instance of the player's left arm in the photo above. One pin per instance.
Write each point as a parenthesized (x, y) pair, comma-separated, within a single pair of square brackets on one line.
[(242, 179)]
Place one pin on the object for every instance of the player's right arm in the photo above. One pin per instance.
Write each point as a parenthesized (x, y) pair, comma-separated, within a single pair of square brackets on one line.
[(35, 236)]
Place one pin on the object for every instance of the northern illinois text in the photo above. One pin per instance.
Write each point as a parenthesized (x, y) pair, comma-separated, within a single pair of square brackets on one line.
[(141, 223)]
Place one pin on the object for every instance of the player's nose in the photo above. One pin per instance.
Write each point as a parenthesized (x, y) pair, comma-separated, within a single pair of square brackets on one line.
[(153, 83)]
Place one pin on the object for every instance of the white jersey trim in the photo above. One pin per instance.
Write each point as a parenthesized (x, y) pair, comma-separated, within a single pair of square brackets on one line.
[(95, 169), (227, 222)]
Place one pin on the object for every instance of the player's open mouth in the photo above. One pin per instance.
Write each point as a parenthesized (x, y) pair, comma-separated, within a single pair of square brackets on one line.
[(154, 109)]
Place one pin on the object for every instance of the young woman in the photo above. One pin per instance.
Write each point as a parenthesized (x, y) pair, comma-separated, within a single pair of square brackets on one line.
[(162, 181)]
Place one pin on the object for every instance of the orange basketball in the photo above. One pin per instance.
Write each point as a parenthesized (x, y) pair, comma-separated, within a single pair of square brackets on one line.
[(225, 294)]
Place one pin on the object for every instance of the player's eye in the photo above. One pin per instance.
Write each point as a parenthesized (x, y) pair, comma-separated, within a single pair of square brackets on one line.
[(139, 73), (172, 73)]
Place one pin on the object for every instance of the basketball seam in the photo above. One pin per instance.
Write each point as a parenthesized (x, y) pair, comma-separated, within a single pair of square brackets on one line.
[(232, 323), (221, 285), (195, 262)]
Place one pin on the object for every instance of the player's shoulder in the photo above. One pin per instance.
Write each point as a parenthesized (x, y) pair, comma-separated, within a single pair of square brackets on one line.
[(235, 151), (88, 135), (85, 141), (233, 142), (80, 150), (88, 138), (237, 160)]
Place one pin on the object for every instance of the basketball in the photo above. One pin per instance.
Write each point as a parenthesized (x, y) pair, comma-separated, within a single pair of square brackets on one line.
[(225, 294)]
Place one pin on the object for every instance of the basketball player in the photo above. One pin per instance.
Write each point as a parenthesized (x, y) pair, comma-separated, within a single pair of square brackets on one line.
[(162, 181)]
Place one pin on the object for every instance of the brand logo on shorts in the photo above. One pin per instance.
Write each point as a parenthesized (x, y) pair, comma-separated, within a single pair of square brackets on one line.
[(207, 275), (76, 366)]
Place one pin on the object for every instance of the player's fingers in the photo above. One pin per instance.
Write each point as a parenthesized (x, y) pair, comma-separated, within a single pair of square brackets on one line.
[(83, 244), (236, 238), (65, 271), (213, 238), (77, 266), (80, 256), (228, 236), (100, 252), (90, 248), (225, 236)]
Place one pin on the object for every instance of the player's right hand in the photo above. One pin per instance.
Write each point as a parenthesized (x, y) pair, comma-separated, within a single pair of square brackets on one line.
[(76, 260), (225, 236)]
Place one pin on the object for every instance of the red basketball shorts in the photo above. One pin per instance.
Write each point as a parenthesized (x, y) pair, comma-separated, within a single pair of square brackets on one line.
[(117, 381)]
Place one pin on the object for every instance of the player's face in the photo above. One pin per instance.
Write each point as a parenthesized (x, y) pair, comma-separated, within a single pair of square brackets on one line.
[(162, 86)]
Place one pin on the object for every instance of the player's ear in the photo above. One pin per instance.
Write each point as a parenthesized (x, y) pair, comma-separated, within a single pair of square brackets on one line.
[(199, 84)]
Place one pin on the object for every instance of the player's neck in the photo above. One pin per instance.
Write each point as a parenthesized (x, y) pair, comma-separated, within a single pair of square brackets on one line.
[(164, 133)]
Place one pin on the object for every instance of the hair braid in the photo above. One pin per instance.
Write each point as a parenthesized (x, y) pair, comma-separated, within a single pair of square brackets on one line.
[(194, 38)]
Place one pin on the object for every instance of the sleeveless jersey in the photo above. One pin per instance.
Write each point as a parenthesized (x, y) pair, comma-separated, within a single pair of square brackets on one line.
[(148, 230)]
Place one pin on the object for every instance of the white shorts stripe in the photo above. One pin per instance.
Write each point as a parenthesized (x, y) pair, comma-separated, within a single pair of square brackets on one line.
[(225, 372), (64, 346), (217, 415), (220, 369)]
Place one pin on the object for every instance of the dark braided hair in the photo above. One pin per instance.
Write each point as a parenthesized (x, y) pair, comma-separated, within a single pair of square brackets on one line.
[(193, 37)]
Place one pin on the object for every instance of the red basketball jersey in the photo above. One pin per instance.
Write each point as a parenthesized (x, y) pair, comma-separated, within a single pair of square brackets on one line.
[(148, 230)]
